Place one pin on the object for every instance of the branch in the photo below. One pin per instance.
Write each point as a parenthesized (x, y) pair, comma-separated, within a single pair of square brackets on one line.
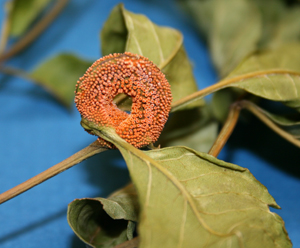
[(35, 31), (76, 158)]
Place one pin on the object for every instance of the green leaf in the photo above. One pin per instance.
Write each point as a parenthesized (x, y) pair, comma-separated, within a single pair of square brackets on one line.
[(23, 13), (194, 128), (288, 28), (273, 74), (105, 223), (191, 199), (232, 29), (280, 23), (271, 16), (126, 31), (59, 75)]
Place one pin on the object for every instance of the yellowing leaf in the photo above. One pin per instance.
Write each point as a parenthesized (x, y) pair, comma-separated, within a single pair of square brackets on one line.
[(105, 223), (126, 31), (191, 199), (59, 75)]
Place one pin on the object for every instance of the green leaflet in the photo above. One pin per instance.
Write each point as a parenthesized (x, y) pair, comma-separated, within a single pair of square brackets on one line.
[(23, 13), (273, 74), (194, 128), (126, 31), (105, 223), (59, 75), (191, 199)]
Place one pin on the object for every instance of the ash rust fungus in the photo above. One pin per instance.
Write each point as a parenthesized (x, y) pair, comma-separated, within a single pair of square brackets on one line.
[(135, 76)]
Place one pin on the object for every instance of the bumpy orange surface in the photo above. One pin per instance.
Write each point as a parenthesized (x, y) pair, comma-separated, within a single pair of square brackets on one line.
[(135, 76)]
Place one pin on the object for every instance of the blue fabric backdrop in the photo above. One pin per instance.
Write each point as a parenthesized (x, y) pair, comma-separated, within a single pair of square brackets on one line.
[(36, 133)]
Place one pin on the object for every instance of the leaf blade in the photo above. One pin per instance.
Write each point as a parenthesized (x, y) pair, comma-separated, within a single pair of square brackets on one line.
[(180, 218), (273, 74), (59, 75)]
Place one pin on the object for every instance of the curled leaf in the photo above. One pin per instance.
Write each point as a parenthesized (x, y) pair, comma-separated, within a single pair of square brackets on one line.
[(105, 223), (186, 194), (126, 31)]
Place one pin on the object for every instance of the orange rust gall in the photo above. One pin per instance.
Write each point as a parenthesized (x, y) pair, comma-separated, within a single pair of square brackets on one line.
[(135, 76)]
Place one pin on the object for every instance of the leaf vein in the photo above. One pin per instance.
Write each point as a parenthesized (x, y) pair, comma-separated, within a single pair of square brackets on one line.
[(293, 83), (158, 43)]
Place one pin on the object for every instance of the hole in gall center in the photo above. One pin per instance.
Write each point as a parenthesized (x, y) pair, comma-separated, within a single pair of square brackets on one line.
[(124, 102)]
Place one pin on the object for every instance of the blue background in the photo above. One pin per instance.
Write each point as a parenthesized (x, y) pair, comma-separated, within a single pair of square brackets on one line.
[(36, 133)]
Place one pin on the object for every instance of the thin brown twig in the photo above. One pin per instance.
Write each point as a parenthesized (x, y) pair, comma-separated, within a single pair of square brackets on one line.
[(12, 71), (76, 158), (226, 130), (35, 31)]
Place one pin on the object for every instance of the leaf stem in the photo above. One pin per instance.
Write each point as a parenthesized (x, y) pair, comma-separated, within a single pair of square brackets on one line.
[(35, 31), (226, 130), (12, 71), (76, 158)]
